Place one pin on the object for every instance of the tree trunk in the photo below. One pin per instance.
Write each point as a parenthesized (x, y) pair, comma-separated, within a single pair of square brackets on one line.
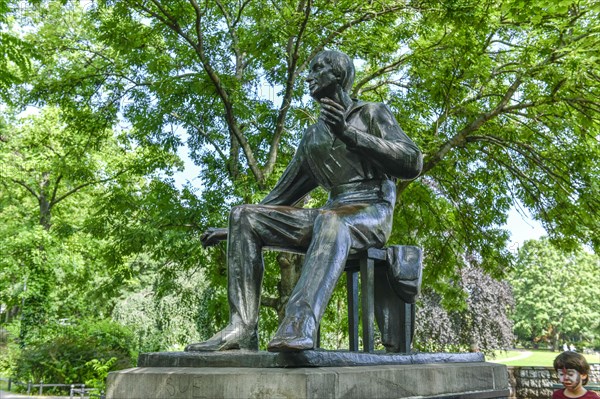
[(41, 276), (45, 206)]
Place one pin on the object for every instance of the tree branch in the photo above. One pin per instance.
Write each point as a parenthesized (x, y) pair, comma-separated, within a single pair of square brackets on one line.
[(341, 29), (293, 49), (459, 138), (531, 155), (230, 118), (24, 185), (390, 67), (523, 180), (231, 27), (198, 47), (380, 84), (356, 91), (81, 186), (203, 133), (58, 179)]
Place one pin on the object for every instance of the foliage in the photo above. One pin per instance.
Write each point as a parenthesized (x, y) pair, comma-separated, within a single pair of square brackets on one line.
[(166, 315), (492, 99), (503, 105), (9, 348), (76, 353), (557, 294), (482, 325), (51, 175), (501, 96), (15, 62)]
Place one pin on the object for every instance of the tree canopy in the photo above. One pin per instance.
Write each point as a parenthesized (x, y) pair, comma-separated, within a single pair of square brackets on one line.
[(484, 324), (502, 97), (557, 295), (52, 176), (15, 62)]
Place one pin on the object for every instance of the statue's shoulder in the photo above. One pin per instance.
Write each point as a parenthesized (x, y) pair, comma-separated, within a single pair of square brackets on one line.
[(370, 108)]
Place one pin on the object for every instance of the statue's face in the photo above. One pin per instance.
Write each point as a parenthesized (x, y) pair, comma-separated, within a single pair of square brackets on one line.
[(321, 80)]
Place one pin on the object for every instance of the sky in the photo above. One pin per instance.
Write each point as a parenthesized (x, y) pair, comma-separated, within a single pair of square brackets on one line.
[(522, 227)]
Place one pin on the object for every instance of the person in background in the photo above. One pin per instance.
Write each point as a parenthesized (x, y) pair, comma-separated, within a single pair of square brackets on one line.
[(572, 370)]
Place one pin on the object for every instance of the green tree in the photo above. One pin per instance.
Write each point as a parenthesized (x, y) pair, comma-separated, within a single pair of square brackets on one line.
[(50, 173), (165, 312), (502, 98), (557, 294), (15, 62), (80, 353)]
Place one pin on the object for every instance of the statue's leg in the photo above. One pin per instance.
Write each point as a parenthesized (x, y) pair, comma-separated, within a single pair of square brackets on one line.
[(323, 264), (336, 232), (250, 228)]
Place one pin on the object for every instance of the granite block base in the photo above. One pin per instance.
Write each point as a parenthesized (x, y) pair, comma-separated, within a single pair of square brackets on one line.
[(466, 380)]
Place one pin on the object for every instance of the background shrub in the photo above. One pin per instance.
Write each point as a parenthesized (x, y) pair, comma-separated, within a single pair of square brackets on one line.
[(80, 353)]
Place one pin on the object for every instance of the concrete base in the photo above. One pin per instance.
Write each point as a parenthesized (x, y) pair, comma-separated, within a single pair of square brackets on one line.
[(416, 381)]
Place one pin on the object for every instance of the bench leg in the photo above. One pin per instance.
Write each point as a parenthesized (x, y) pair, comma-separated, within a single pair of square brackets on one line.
[(367, 277), (407, 315), (352, 293), (318, 343)]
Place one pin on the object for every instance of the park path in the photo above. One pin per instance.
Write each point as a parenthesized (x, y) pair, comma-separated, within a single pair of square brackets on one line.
[(523, 355), (12, 395)]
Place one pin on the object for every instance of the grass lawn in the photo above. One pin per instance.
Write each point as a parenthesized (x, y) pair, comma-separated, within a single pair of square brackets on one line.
[(537, 358)]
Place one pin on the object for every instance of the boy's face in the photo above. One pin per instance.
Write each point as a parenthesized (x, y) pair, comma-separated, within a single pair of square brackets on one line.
[(570, 378)]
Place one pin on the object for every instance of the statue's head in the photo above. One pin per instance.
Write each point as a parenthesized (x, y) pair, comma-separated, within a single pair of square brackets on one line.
[(328, 67)]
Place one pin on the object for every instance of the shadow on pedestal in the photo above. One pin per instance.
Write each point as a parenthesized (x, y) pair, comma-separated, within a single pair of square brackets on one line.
[(316, 358)]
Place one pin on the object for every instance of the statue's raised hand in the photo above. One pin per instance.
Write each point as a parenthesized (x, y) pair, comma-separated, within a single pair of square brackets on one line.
[(334, 116), (212, 236)]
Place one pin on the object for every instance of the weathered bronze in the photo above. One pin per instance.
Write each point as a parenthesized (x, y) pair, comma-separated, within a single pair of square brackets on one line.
[(355, 151)]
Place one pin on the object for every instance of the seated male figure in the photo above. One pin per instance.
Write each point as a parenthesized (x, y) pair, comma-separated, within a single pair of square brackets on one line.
[(356, 151)]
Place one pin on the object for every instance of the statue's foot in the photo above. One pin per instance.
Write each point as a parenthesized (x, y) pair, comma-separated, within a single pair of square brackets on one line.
[(231, 337), (295, 333)]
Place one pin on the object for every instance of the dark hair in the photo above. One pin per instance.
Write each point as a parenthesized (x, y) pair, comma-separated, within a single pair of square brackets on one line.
[(342, 66), (575, 361)]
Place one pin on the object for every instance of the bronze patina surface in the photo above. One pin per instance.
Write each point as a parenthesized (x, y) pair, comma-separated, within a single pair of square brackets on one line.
[(356, 151)]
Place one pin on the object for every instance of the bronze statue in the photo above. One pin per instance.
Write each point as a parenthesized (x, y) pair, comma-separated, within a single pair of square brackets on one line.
[(355, 151)]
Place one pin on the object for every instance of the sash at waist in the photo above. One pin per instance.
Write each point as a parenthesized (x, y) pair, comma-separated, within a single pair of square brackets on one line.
[(363, 191)]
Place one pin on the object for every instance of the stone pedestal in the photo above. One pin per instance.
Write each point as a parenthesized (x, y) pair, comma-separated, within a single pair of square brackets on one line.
[(463, 379)]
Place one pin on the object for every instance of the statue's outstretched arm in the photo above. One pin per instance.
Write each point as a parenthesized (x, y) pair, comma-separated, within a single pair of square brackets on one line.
[(212, 236), (295, 182)]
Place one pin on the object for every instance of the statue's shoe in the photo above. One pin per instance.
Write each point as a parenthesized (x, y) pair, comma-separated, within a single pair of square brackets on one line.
[(231, 337), (295, 333)]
